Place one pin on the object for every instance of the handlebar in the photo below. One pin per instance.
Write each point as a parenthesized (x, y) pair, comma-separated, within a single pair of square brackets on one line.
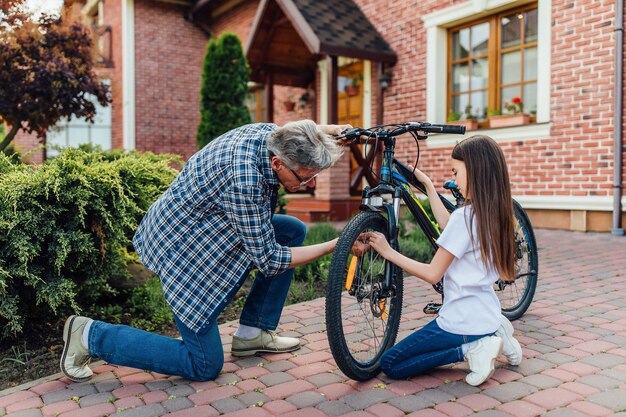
[(357, 132)]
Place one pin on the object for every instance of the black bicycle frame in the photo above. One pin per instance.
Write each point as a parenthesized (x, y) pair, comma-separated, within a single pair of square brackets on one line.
[(397, 182)]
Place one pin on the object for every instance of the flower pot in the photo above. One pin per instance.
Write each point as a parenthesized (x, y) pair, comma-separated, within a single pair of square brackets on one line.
[(506, 120), (290, 105), (470, 124), (351, 90)]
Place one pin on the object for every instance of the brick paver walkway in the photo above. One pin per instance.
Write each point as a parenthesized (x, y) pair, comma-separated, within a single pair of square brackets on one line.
[(574, 361)]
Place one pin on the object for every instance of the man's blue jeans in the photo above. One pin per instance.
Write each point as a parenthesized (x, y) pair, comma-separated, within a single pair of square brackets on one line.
[(423, 350), (198, 356)]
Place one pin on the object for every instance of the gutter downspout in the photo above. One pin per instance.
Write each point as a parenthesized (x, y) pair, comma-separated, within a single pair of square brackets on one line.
[(618, 119)]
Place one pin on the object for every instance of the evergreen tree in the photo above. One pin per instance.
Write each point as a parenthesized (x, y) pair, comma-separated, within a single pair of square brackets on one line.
[(224, 88)]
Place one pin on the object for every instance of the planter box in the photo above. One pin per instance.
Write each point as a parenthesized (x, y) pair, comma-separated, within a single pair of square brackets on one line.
[(471, 124), (506, 120)]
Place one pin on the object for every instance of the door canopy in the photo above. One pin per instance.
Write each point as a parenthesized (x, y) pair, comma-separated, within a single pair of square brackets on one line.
[(289, 37)]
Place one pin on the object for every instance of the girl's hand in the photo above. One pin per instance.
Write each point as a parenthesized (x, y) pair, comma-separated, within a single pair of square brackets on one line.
[(378, 241), (421, 177), (360, 246)]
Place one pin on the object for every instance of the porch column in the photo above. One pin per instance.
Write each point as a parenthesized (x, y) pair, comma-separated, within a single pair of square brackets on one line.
[(269, 97)]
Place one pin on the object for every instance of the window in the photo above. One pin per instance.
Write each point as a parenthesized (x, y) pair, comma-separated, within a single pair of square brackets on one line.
[(492, 64)]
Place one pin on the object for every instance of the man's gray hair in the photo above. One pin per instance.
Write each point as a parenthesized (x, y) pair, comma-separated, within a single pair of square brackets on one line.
[(302, 144)]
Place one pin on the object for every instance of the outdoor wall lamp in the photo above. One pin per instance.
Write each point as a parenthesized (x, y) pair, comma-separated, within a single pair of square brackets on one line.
[(385, 79)]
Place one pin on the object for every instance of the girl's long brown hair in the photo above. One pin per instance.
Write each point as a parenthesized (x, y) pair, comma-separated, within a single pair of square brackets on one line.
[(489, 190)]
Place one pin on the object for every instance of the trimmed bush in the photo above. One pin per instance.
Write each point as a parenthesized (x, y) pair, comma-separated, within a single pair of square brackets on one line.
[(65, 227)]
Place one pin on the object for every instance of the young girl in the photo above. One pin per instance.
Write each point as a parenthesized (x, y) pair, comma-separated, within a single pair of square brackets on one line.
[(476, 248)]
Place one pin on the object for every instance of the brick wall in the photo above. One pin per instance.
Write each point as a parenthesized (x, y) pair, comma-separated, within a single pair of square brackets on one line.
[(113, 17), (168, 64), (576, 160)]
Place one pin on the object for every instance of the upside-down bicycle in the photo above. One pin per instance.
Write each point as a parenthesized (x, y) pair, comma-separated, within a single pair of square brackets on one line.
[(364, 293)]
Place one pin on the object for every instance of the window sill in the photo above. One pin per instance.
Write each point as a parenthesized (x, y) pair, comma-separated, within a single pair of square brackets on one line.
[(503, 134)]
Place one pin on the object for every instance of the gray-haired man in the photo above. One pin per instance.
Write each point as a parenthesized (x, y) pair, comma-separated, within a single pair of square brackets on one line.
[(202, 238)]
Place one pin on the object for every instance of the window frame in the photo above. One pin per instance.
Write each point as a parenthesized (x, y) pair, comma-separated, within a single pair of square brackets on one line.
[(494, 56)]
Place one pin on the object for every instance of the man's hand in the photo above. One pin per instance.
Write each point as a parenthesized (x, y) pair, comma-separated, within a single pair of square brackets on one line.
[(333, 130), (360, 246)]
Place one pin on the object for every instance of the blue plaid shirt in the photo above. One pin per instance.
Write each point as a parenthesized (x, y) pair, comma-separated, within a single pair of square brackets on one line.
[(213, 225)]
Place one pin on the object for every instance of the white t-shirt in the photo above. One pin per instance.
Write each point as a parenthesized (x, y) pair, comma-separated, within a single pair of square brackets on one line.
[(470, 305)]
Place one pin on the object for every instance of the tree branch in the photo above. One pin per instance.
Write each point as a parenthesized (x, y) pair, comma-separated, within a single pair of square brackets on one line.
[(9, 137)]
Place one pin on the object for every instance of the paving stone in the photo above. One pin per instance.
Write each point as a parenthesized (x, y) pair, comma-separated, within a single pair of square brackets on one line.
[(364, 399), (334, 408), (510, 391), (604, 360), (81, 390), (435, 396), (228, 405), (533, 366), (521, 409), (180, 391), (601, 382), (33, 412), (2, 411), (613, 399), (251, 361), (552, 398), (56, 396), (227, 379), (177, 404), (557, 358), (276, 378), (325, 378), (251, 398), (410, 403), (306, 399), (145, 411), (161, 385), (491, 413), (541, 381), (280, 366), (564, 412), (458, 389), (102, 397), (108, 386)]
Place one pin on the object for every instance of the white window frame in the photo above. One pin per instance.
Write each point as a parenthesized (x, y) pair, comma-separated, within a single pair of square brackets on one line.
[(437, 24)]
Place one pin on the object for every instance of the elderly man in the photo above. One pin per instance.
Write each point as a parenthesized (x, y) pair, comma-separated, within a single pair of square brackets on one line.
[(202, 238)]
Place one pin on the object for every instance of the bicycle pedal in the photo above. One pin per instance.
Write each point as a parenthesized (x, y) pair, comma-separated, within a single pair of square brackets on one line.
[(432, 308)]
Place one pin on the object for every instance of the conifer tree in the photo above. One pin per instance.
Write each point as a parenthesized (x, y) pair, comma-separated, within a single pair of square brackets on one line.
[(224, 88)]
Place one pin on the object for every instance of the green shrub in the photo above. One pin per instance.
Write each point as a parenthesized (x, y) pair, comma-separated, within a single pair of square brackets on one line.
[(224, 87), (65, 226)]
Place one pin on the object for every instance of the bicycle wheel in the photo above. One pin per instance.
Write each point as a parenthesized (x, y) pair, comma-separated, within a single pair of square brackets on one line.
[(361, 320), (516, 296)]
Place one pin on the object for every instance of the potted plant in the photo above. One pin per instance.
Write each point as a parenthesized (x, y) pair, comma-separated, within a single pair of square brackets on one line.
[(513, 114), (470, 122), (352, 89)]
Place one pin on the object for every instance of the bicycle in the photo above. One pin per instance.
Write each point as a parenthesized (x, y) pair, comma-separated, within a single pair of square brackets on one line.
[(364, 293)]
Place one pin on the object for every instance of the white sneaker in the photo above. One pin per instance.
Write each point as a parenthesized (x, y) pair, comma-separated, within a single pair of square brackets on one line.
[(510, 347), (75, 358), (482, 359), (266, 341)]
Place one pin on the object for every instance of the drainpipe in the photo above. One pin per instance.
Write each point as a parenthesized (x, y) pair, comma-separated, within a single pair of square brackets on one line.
[(618, 119)]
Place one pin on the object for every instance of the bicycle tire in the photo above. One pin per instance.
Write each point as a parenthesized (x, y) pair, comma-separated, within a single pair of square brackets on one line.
[(357, 337), (515, 297)]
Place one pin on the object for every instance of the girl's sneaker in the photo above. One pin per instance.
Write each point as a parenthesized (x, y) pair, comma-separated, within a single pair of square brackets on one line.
[(482, 359), (511, 347)]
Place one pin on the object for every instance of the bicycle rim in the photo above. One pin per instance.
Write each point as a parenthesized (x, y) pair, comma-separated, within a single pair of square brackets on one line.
[(362, 323), (515, 297)]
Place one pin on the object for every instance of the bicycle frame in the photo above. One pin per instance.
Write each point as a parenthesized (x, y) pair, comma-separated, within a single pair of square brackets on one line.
[(397, 182)]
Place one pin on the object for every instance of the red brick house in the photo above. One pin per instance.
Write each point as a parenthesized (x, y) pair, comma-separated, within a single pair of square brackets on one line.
[(368, 62)]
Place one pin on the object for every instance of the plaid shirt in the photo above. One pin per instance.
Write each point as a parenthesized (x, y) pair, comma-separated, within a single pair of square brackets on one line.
[(213, 225)]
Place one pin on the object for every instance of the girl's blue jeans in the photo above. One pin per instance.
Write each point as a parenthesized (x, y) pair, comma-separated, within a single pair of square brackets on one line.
[(423, 350), (198, 356)]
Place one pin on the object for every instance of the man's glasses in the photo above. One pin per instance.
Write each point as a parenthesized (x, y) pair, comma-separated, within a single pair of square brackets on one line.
[(302, 183)]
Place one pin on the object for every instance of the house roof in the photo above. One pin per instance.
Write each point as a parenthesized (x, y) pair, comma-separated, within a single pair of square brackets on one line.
[(288, 37)]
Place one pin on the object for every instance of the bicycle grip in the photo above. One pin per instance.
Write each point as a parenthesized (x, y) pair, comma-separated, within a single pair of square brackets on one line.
[(452, 129)]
